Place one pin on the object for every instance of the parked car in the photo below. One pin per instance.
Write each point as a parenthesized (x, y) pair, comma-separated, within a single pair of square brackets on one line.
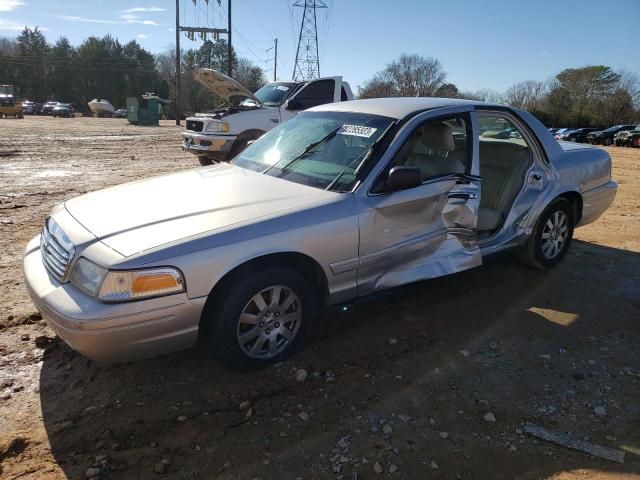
[(633, 140), (624, 137), (29, 107), (120, 113), (47, 108), (578, 135), (342, 201), (561, 131), (225, 132), (605, 137), (63, 110)]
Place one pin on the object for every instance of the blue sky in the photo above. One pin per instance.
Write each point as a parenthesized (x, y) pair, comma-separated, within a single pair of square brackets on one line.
[(481, 44)]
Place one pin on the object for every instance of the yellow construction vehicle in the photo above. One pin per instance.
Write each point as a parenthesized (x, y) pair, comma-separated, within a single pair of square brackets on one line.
[(8, 107)]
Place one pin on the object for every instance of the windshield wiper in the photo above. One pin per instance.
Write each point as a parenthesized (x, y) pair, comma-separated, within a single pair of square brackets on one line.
[(306, 150)]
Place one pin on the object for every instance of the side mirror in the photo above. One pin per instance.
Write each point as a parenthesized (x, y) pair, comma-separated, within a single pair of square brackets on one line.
[(404, 178), (293, 104)]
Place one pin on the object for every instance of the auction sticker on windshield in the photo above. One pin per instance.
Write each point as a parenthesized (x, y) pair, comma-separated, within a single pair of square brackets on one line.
[(357, 131)]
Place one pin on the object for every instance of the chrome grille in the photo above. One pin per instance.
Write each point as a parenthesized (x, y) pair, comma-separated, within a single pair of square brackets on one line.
[(57, 249)]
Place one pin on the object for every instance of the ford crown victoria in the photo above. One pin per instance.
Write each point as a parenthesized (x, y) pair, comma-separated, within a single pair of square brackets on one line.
[(342, 201)]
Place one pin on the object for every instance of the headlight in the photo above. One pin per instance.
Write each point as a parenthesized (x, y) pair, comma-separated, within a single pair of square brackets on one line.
[(217, 127), (116, 285), (87, 275)]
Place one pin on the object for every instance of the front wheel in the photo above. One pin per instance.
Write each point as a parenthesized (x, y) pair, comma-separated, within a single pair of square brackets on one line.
[(262, 318), (606, 142), (204, 161), (551, 237)]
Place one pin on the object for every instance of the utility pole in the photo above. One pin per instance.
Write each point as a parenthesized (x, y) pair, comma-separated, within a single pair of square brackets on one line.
[(191, 35), (275, 58), (307, 64), (178, 63), (229, 50), (275, 61)]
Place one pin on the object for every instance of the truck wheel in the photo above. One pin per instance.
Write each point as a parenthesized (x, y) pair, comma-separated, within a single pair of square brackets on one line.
[(263, 318), (551, 237), (238, 147)]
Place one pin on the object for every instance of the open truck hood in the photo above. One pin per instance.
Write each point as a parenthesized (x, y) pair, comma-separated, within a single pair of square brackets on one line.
[(223, 86)]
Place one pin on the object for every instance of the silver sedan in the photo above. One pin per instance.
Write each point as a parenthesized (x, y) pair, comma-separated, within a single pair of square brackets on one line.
[(342, 201)]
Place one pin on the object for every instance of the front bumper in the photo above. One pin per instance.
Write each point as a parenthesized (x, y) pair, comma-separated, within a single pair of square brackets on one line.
[(111, 332), (217, 146)]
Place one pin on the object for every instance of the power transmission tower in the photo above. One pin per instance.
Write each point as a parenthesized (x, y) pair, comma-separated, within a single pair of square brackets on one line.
[(307, 64)]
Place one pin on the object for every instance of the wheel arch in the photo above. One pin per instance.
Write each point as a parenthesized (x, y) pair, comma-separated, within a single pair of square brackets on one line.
[(251, 134), (301, 262), (576, 202)]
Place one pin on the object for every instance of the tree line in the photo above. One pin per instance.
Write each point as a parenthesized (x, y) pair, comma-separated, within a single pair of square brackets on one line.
[(591, 96), (595, 95), (105, 68)]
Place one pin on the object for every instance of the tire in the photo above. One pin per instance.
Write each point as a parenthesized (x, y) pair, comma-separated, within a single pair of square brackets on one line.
[(263, 343), (573, 139), (204, 161), (238, 147), (539, 252), (606, 142)]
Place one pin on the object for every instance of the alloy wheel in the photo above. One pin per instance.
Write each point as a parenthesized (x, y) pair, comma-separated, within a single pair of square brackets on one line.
[(555, 234), (269, 322)]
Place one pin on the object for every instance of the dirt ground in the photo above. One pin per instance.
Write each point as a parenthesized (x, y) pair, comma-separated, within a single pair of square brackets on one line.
[(402, 385)]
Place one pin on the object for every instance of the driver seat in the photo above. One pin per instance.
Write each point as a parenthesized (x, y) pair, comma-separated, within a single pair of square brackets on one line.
[(434, 151)]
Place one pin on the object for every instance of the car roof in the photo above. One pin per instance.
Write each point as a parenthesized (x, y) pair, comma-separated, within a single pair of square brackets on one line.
[(396, 107)]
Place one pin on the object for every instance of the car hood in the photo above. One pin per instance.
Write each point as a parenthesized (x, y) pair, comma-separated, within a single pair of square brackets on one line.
[(223, 86), (139, 216)]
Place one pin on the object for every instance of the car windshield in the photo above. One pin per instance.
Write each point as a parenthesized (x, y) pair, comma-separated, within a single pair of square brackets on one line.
[(272, 94), (613, 129), (319, 149)]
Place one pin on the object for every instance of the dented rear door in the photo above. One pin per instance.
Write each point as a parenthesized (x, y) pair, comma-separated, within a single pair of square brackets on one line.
[(424, 232)]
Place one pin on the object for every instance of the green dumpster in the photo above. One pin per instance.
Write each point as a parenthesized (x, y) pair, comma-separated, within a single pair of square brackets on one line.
[(145, 109)]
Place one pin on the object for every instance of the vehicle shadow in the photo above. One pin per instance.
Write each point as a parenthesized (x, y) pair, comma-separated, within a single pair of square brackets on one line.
[(502, 337)]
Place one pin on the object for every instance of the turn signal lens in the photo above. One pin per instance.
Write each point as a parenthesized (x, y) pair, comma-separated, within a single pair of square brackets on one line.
[(136, 284), (152, 282)]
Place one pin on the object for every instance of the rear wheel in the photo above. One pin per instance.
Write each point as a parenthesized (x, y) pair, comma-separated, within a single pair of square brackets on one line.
[(262, 318), (550, 240)]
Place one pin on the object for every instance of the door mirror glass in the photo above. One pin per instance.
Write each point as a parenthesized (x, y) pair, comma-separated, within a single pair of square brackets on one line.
[(404, 178)]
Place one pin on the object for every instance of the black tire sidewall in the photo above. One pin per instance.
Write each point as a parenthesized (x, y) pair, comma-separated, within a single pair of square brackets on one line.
[(223, 333), (204, 161), (558, 204)]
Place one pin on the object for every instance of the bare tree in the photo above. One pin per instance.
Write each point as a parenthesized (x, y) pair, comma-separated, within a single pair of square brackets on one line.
[(416, 76), (408, 76), (377, 87), (526, 95)]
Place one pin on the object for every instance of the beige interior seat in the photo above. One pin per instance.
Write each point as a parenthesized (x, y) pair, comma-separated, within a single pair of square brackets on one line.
[(434, 152), (502, 168)]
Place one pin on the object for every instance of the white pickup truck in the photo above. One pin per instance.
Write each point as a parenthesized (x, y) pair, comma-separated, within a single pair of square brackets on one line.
[(222, 134)]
